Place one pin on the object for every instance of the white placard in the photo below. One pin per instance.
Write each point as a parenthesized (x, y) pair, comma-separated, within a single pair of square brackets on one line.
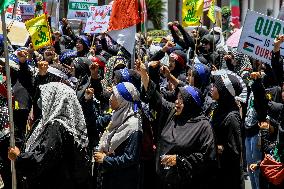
[(99, 19), (258, 34)]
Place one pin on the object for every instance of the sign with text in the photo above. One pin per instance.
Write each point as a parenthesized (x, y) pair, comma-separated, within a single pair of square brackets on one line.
[(79, 9), (258, 34), (99, 19), (27, 12)]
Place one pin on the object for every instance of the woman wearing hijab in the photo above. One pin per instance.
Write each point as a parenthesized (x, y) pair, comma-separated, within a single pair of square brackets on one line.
[(54, 155), (226, 123), (83, 46), (119, 147), (148, 150), (186, 148)]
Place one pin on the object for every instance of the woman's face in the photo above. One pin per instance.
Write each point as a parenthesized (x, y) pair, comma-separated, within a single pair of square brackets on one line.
[(172, 64), (113, 102), (206, 46), (190, 77), (214, 93), (179, 104), (194, 33), (79, 46)]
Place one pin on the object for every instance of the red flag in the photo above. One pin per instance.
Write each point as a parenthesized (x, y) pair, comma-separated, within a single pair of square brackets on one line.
[(123, 20), (124, 14)]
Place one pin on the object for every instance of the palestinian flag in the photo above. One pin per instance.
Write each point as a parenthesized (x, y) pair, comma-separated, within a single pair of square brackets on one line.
[(235, 9), (248, 47)]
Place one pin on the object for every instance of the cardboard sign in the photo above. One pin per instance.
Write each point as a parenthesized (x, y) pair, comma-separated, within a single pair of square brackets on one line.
[(258, 34), (18, 34), (99, 19), (79, 9)]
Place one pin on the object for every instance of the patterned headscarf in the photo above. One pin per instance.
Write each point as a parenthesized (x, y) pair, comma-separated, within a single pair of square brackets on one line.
[(125, 120), (59, 103), (4, 119), (112, 63), (243, 62)]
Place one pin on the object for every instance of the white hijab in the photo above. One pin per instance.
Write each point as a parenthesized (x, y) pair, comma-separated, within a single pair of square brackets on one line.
[(60, 103), (124, 121)]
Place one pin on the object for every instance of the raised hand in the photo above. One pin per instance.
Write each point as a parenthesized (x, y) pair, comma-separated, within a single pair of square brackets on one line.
[(94, 68), (277, 42), (22, 56), (13, 153), (42, 68), (168, 45), (89, 93)]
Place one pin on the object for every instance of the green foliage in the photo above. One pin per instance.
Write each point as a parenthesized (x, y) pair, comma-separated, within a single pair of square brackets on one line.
[(155, 9), (39, 6), (226, 11)]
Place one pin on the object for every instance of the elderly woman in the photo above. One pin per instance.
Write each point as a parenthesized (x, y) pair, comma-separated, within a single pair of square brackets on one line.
[(186, 148), (119, 146), (54, 156)]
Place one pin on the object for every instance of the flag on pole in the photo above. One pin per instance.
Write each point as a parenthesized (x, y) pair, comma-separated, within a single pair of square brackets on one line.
[(192, 11), (39, 31), (211, 12), (122, 25), (5, 3), (143, 16), (235, 9)]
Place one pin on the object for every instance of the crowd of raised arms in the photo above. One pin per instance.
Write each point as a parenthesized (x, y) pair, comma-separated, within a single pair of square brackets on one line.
[(188, 112)]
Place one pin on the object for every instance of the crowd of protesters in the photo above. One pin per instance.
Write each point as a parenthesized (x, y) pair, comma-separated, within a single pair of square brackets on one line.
[(188, 112)]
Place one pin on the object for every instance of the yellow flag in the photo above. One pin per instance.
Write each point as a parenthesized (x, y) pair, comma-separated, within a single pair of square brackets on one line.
[(211, 12), (39, 31), (192, 11)]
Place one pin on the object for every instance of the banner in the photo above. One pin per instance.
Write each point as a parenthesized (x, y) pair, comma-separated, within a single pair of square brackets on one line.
[(9, 11), (192, 11), (258, 34), (79, 9), (99, 19), (39, 31)]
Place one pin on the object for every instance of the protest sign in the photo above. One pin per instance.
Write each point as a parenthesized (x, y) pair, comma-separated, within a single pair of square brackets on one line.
[(9, 13), (27, 12), (79, 9), (16, 28), (39, 31), (258, 34), (99, 19)]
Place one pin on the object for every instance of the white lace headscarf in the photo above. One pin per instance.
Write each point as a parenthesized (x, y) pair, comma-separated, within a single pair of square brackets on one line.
[(59, 103), (125, 120)]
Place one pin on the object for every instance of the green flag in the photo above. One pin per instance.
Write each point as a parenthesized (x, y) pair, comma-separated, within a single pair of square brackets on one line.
[(5, 3)]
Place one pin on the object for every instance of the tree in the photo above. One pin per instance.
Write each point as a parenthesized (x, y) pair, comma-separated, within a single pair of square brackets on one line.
[(155, 9)]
